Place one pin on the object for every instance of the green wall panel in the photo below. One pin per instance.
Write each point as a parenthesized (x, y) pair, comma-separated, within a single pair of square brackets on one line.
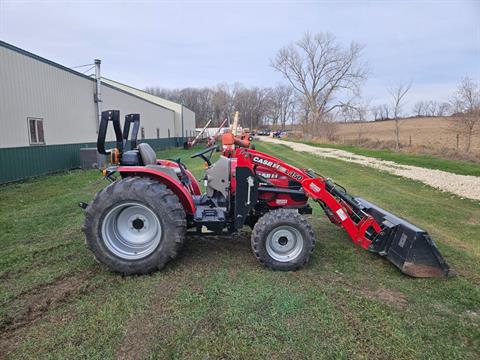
[(24, 162)]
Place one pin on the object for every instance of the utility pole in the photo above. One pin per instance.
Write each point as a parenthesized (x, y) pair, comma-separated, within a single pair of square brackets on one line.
[(98, 95), (183, 134)]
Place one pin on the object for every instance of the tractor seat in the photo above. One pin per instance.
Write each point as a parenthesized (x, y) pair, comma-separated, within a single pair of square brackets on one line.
[(147, 154)]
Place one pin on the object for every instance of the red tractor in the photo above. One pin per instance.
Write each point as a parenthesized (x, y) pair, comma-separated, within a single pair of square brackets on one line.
[(139, 222)]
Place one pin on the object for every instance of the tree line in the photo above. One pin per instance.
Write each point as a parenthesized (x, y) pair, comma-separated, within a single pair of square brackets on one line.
[(258, 106)]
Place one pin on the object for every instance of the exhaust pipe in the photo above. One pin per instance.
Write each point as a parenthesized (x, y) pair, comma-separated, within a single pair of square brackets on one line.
[(408, 247)]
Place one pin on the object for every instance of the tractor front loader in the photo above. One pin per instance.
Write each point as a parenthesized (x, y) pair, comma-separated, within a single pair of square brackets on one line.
[(139, 222)]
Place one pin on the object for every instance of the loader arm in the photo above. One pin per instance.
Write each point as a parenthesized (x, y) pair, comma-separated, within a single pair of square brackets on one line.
[(408, 247), (316, 188)]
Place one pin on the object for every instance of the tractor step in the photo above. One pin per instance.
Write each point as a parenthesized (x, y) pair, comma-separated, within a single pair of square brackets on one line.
[(214, 218), (408, 247)]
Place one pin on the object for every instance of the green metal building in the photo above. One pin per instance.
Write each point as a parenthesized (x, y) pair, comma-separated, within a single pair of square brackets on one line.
[(48, 113)]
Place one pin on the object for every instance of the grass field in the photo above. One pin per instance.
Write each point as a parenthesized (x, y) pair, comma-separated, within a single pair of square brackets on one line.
[(215, 301), (460, 167)]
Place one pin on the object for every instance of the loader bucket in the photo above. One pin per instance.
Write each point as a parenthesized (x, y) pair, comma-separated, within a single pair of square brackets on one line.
[(408, 247)]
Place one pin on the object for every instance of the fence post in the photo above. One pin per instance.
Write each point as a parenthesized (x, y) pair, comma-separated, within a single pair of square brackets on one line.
[(458, 140), (410, 141)]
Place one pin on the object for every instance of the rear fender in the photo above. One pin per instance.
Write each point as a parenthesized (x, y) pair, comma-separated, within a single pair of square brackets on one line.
[(173, 184), (193, 181)]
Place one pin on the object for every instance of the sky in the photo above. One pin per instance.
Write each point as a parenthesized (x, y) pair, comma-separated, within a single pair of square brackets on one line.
[(175, 44)]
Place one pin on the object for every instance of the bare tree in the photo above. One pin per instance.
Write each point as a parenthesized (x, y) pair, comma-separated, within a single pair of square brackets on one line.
[(252, 104), (199, 100), (398, 94), (443, 109), (357, 114), (376, 112), (328, 127), (319, 69), (466, 103), (362, 111), (348, 114), (419, 108), (432, 108), (281, 102), (222, 101), (384, 112), (304, 114)]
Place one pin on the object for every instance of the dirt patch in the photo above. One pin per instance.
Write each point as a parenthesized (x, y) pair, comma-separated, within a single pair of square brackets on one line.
[(473, 315), (387, 296), (462, 185), (36, 303), (473, 220)]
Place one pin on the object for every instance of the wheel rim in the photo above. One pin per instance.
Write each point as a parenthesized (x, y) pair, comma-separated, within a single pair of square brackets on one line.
[(284, 243), (131, 231)]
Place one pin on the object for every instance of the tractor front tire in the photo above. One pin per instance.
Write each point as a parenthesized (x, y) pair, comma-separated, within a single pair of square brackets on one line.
[(135, 226), (283, 240)]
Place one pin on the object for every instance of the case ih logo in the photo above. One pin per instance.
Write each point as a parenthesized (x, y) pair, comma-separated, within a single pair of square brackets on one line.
[(268, 175), (266, 162), (274, 165)]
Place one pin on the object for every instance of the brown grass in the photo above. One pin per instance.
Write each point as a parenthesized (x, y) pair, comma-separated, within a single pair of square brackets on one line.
[(433, 132)]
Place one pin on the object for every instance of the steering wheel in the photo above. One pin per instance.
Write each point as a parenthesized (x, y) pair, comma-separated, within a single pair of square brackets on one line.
[(185, 179), (202, 153)]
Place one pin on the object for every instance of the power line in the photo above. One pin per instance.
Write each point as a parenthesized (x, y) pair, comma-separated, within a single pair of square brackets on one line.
[(88, 69), (74, 67)]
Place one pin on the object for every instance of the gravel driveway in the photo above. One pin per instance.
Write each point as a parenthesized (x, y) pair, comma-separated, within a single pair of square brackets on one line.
[(462, 185)]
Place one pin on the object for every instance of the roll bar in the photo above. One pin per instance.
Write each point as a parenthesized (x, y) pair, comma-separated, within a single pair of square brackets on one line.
[(135, 119), (121, 137), (114, 117)]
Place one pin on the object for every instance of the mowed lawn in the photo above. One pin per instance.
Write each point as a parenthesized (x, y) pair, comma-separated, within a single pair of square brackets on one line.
[(216, 302)]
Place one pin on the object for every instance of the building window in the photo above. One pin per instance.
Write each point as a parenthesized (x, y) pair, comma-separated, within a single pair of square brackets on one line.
[(35, 129), (142, 133), (158, 133)]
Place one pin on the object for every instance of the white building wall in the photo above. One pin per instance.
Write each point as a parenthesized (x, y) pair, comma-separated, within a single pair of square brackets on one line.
[(188, 115), (32, 88), (152, 116), (188, 122)]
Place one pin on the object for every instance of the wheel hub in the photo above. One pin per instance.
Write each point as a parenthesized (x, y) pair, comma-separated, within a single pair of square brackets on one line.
[(138, 224), (283, 240), (131, 231), (284, 243)]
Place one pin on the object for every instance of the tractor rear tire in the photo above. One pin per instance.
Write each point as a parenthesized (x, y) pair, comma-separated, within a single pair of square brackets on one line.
[(135, 226), (283, 240)]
